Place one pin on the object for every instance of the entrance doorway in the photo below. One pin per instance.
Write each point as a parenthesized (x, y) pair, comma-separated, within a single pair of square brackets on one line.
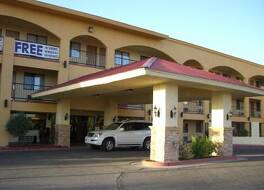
[(81, 125)]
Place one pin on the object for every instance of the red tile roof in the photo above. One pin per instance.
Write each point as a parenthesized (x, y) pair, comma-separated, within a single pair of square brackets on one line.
[(156, 64)]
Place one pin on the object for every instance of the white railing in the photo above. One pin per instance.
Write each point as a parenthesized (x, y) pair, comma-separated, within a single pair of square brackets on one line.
[(193, 107), (1, 44)]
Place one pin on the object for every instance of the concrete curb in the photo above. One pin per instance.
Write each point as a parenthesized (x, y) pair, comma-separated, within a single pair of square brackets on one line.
[(150, 163), (33, 148)]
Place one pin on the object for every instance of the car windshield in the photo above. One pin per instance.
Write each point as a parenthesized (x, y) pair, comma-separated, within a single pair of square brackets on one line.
[(113, 126)]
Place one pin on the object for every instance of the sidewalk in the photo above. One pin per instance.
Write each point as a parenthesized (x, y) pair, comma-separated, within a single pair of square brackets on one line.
[(32, 148)]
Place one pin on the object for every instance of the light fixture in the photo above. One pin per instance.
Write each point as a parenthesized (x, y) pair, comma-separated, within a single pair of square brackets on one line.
[(208, 115), (156, 111), (6, 103), (181, 114), (173, 112), (66, 116), (90, 29), (149, 112), (229, 115), (248, 118), (65, 64)]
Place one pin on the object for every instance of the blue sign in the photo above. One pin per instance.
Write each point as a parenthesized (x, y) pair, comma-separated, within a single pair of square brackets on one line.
[(36, 50)]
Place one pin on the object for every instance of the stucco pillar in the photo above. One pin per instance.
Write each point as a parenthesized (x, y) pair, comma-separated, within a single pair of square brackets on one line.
[(165, 133), (110, 112), (255, 129), (6, 87), (110, 57), (63, 74), (246, 107), (221, 130), (62, 127)]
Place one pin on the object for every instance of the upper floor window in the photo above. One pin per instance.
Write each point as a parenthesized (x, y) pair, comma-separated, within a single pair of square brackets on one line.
[(12, 34), (142, 57), (75, 49), (239, 104), (33, 81), (121, 58), (37, 39)]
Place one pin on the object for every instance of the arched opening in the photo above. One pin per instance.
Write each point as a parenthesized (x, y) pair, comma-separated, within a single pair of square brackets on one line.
[(26, 31), (87, 50), (257, 81), (227, 72), (128, 54), (194, 64)]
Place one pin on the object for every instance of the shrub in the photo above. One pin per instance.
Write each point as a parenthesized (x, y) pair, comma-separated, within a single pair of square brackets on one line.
[(185, 151), (18, 125), (202, 147)]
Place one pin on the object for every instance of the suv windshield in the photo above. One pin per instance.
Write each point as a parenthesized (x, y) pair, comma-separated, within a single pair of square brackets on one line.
[(113, 126)]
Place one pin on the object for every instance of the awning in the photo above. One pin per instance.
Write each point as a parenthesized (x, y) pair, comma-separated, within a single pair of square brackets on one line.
[(138, 78)]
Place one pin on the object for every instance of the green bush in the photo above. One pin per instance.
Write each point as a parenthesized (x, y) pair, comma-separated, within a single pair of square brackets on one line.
[(202, 147), (18, 125), (185, 151)]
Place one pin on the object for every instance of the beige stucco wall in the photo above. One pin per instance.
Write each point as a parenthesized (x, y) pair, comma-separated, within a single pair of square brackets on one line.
[(61, 29)]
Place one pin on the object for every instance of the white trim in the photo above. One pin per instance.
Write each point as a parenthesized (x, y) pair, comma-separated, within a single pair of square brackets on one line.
[(94, 82), (181, 77)]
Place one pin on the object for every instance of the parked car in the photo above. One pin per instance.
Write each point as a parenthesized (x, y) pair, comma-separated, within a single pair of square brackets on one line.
[(133, 133)]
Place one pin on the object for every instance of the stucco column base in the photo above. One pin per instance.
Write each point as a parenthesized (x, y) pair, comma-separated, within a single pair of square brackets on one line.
[(223, 137), (62, 135), (165, 144)]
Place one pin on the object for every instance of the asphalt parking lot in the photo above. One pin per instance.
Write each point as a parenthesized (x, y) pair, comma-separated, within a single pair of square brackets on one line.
[(82, 168)]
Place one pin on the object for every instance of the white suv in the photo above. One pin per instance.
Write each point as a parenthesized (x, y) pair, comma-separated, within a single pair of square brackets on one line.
[(133, 133)]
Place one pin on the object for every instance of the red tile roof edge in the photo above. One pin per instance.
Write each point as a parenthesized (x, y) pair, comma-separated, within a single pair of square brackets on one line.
[(154, 64)]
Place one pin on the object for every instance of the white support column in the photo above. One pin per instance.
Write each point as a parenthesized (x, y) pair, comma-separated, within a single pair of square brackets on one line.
[(110, 112), (62, 128), (254, 129), (165, 133), (221, 130)]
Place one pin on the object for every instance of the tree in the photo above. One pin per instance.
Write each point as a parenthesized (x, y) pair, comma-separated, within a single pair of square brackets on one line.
[(19, 125)]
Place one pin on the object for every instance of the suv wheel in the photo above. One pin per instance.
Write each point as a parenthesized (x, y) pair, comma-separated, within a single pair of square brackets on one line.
[(108, 145), (146, 144)]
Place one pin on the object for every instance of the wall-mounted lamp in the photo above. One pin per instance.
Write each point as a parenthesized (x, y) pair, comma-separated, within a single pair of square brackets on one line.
[(149, 112), (173, 112), (229, 115), (66, 116), (208, 116), (65, 64), (6, 103), (248, 118), (90, 29), (156, 111), (181, 114)]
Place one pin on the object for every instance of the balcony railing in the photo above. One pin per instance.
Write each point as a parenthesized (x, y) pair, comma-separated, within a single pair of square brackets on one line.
[(131, 106), (1, 43), (22, 92), (123, 61), (88, 58), (238, 112), (255, 113), (193, 107)]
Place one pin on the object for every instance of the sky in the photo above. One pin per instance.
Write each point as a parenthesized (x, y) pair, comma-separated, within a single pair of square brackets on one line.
[(234, 27)]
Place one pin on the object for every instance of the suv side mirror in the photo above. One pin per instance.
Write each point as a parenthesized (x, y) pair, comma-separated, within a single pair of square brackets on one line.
[(122, 129)]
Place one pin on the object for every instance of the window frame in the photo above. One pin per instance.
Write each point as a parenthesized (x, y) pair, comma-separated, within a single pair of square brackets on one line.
[(37, 38), (33, 86)]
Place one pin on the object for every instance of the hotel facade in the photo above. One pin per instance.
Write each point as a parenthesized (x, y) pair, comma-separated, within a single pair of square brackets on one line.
[(42, 45)]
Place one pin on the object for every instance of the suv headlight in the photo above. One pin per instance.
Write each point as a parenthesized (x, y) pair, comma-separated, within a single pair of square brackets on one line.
[(97, 135)]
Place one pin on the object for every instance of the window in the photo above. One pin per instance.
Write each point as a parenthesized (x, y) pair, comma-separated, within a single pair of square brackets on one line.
[(257, 84), (142, 126), (255, 107), (199, 126), (33, 81), (121, 58), (37, 38), (185, 128), (129, 126), (239, 104), (241, 129), (12, 34), (75, 49), (142, 57)]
